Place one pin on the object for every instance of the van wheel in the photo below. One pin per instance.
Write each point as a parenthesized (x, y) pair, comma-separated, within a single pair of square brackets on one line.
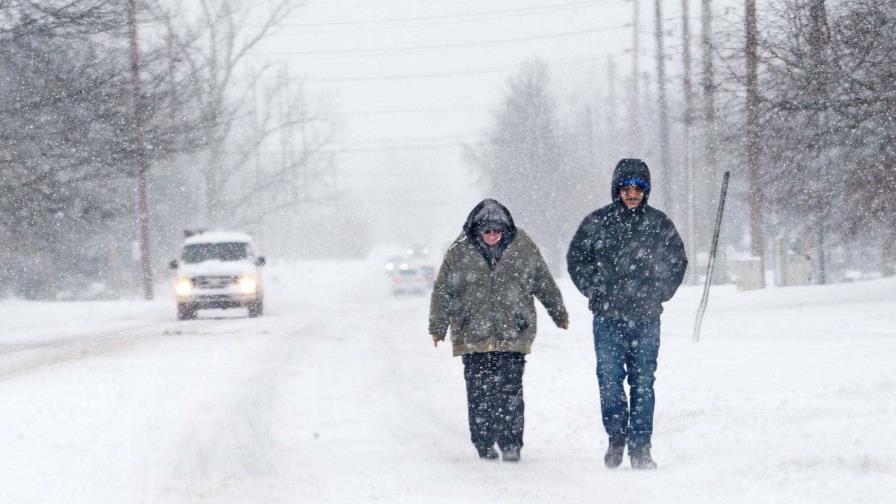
[(185, 312), (256, 309)]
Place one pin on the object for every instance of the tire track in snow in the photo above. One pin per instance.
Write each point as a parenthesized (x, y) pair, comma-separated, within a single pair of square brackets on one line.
[(20, 358)]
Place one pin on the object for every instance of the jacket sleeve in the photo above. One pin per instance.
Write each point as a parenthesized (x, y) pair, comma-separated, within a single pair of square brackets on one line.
[(547, 292), (581, 262), (441, 301), (674, 262)]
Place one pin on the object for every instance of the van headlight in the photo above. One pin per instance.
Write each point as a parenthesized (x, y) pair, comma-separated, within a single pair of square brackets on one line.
[(247, 284), (183, 287)]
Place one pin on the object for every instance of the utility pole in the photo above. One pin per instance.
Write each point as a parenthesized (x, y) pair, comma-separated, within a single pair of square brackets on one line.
[(140, 148), (819, 38), (291, 113), (304, 150), (686, 140), (635, 105), (757, 245), (665, 177), (213, 189), (592, 135), (256, 127), (710, 164), (287, 114), (610, 118)]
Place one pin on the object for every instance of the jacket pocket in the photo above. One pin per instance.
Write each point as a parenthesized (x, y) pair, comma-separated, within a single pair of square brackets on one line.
[(465, 320), (522, 323)]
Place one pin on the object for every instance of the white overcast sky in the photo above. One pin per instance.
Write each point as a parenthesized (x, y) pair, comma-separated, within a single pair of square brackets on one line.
[(401, 133)]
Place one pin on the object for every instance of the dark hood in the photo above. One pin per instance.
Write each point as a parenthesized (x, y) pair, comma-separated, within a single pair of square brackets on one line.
[(630, 168), (490, 213)]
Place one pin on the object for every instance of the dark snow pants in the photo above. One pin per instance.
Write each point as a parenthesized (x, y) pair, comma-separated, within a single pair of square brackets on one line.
[(495, 398), (627, 349)]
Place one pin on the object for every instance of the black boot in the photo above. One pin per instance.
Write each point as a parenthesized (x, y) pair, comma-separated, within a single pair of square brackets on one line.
[(615, 449), (640, 457), (487, 452), (510, 454)]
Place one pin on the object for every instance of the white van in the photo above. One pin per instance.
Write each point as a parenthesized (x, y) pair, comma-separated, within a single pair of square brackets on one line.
[(218, 269)]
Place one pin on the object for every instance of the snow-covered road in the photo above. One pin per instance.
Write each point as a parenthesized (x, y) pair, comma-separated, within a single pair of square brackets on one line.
[(337, 395)]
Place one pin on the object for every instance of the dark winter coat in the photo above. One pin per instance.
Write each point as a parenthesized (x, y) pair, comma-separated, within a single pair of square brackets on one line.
[(486, 296), (627, 261)]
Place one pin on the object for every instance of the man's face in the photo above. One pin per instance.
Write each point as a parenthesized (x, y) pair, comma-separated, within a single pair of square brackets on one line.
[(492, 237), (631, 195)]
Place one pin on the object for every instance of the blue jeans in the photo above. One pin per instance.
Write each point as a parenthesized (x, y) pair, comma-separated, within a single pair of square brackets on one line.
[(627, 348)]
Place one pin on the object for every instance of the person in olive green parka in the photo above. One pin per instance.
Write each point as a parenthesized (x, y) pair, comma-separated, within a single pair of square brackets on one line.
[(485, 293)]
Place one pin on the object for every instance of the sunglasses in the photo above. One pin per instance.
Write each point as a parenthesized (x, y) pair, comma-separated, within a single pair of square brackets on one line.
[(493, 231), (632, 188)]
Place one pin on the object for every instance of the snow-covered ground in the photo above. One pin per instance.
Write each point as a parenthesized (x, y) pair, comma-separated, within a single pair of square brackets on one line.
[(337, 395)]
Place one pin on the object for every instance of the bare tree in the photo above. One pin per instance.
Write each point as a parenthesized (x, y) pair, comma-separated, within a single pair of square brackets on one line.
[(826, 111), (526, 162), (66, 165), (242, 183)]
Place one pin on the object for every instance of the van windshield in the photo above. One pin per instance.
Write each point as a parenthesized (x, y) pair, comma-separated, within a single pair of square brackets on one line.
[(223, 251)]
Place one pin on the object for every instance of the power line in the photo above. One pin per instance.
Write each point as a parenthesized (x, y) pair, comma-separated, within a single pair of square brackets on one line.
[(335, 149), (440, 46), (519, 11), (420, 110), (479, 71), (400, 148), (375, 141), (443, 74), (409, 144)]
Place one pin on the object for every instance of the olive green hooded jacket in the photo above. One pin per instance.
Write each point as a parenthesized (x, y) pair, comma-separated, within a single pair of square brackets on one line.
[(489, 303)]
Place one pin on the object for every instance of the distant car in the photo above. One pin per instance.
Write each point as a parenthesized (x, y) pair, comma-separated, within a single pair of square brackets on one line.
[(417, 251), (409, 276), (218, 269)]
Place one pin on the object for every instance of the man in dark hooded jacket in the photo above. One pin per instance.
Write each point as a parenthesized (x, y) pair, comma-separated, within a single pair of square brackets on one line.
[(484, 292), (627, 259)]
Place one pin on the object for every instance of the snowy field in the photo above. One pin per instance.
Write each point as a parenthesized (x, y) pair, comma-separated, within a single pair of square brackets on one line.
[(337, 395)]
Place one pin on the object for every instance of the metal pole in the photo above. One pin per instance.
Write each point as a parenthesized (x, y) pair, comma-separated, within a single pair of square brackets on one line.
[(142, 165), (712, 257)]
